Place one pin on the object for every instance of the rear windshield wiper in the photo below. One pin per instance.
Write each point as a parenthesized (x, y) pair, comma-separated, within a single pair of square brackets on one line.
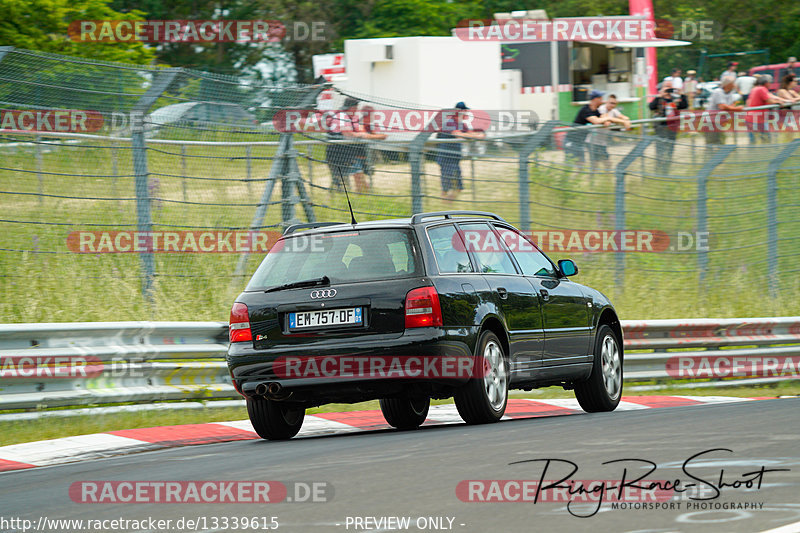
[(324, 280)]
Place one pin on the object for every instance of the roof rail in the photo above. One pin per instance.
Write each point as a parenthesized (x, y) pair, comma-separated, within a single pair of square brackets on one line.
[(450, 214), (309, 225)]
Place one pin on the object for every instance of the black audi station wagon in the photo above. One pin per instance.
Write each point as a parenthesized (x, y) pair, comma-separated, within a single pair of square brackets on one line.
[(446, 304)]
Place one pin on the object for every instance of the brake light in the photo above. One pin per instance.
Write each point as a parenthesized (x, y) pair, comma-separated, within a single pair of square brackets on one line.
[(422, 308), (239, 325)]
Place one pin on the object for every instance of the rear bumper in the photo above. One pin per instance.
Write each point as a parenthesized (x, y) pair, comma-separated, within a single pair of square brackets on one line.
[(354, 369)]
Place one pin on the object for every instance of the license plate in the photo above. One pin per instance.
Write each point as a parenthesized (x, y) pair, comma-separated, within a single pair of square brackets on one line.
[(350, 316)]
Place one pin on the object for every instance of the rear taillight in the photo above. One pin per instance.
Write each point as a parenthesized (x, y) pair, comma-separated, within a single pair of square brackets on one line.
[(422, 308), (239, 325)]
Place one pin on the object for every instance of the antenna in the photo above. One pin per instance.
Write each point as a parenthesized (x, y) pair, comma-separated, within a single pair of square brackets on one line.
[(344, 185)]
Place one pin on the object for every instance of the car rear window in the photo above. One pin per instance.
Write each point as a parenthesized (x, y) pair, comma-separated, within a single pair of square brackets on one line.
[(346, 256)]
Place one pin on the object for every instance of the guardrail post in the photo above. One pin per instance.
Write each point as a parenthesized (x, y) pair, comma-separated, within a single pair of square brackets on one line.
[(415, 160), (161, 80), (533, 141), (702, 202), (772, 214), (619, 201)]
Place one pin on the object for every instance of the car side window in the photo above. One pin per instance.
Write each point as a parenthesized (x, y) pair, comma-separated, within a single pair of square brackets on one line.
[(448, 247), (529, 258), (484, 244)]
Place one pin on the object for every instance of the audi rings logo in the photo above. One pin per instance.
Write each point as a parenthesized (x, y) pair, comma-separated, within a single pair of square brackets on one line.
[(323, 293)]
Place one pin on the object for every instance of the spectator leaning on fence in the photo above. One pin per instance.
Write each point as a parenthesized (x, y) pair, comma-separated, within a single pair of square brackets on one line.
[(788, 89), (588, 114), (760, 96), (667, 104), (346, 159), (598, 140), (723, 99), (448, 155)]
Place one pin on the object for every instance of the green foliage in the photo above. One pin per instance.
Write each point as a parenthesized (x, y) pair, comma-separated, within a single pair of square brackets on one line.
[(42, 25), (763, 24)]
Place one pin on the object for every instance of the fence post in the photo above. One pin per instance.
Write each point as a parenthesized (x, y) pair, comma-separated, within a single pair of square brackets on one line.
[(115, 173), (472, 173), (144, 222), (415, 160), (248, 168), (619, 201), (275, 172), (772, 214), (292, 189), (184, 170), (38, 148), (702, 200), (532, 142), (310, 156)]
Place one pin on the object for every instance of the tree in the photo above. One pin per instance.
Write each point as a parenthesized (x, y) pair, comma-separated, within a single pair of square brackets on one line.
[(42, 25)]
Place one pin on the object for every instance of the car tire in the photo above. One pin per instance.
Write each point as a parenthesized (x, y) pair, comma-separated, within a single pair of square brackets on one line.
[(405, 413), (275, 420), (602, 390), (483, 399)]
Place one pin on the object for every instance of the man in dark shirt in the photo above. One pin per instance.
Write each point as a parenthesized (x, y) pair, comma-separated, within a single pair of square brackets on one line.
[(448, 155), (576, 139), (667, 104)]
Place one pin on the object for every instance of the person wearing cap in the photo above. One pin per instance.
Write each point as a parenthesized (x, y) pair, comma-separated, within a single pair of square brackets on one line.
[(575, 144), (690, 87), (730, 71), (448, 155), (667, 104)]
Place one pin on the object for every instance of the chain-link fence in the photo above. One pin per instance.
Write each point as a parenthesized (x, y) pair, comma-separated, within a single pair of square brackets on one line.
[(193, 162)]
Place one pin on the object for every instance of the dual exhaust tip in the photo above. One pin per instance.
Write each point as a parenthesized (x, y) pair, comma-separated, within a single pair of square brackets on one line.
[(270, 390)]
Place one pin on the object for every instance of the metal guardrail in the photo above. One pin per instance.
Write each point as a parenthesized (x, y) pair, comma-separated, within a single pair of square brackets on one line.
[(151, 361), (112, 362)]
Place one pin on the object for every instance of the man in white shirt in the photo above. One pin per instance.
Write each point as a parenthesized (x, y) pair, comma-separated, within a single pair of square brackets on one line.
[(745, 84), (677, 81), (722, 99), (598, 140)]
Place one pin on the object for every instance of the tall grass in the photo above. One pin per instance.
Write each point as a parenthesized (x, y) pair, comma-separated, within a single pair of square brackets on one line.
[(41, 280)]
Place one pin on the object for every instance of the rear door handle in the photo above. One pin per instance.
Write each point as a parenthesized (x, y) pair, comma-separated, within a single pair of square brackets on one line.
[(502, 292), (545, 294)]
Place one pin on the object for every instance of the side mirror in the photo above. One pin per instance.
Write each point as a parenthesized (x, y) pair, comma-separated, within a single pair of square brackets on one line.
[(567, 267)]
